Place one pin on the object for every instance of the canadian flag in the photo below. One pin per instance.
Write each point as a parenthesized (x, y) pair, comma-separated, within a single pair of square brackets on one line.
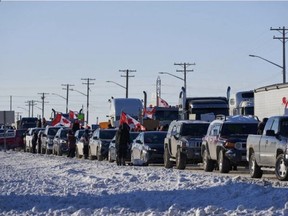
[(162, 102), (149, 112), (60, 120), (72, 114), (133, 123)]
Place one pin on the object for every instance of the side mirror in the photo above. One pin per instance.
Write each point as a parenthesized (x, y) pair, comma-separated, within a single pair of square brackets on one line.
[(270, 133)]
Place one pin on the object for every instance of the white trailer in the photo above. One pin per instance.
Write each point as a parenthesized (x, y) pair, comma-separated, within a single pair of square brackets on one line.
[(271, 100), (131, 106)]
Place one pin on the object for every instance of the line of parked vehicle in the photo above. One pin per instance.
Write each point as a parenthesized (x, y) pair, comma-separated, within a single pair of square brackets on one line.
[(219, 145)]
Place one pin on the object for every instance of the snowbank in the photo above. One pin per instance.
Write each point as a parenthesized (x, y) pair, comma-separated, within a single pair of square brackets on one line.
[(32, 184)]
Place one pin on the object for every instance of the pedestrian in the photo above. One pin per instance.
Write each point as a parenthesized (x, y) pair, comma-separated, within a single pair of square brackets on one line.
[(122, 142), (34, 141), (85, 139), (261, 126), (71, 139)]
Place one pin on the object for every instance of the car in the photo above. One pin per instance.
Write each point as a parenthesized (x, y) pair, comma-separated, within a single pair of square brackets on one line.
[(148, 147), (60, 144), (47, 139), (99, 143), (112, 148), (29, 136), (78, 134), (224, 145), (182, 144), (79, 143)]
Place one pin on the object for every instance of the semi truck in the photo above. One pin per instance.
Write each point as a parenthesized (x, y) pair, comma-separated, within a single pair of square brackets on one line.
[(271, 100), (202, 108), (242, 103), (131, 106)]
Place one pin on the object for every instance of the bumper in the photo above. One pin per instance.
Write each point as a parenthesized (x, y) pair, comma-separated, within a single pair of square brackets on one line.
[(155, 157), (193, 154), (237, 157)]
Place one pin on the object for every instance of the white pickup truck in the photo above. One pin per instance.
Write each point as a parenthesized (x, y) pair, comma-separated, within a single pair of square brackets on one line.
[(269, 150)]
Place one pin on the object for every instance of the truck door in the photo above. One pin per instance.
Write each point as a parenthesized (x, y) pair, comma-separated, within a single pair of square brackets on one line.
[(212, 140), (268, 143)]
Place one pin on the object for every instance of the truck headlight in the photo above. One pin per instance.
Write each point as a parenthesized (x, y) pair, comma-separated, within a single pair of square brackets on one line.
[(229, 145)]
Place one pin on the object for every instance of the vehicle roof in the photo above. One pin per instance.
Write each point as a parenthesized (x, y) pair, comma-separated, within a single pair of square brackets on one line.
[(237, 119), (190, 122)]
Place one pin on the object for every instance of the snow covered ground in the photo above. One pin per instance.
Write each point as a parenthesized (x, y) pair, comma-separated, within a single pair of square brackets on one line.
[(32, 184)]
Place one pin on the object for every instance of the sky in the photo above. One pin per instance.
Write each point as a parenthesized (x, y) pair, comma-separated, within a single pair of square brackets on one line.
[(33, 184), (44, 45)]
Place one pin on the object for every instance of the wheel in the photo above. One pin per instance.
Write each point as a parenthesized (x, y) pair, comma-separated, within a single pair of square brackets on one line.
[(208, 164), (223, 163), (254, 170), (281, 170), (99, 157), (180, 160), (109, 157), (167, 162)]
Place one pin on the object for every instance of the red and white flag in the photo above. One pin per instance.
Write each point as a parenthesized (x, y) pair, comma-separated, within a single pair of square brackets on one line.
[(162, 102), (72, 114), (133, 123), (60, 120)]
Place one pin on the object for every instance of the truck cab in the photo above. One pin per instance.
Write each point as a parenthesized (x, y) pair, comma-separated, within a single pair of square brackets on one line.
[(269, 150)]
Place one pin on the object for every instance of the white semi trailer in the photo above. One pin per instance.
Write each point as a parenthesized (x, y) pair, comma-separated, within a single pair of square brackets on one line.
[(271, 100)]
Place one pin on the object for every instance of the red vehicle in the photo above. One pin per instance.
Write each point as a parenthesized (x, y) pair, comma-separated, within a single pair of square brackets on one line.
[(14, 139)]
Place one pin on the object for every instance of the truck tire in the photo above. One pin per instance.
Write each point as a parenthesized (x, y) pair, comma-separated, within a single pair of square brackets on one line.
[(180, 160), (223, 162), (167, 163), (254, 170), (208, 164), (281, 170), (109, 157)]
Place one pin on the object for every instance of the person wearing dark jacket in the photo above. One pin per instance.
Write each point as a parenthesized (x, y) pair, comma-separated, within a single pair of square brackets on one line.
[(85, 139), (122, 142), (34, 141), (71, 139)]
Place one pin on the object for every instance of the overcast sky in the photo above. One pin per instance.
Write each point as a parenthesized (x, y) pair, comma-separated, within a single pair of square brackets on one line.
[(46, 44)]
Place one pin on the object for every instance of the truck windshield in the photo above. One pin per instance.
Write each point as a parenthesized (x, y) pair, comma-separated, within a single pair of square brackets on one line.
[(238, 129), (194, 130)]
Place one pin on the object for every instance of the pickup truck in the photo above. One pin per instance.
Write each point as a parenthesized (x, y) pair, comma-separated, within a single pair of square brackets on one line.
[(269, 150)]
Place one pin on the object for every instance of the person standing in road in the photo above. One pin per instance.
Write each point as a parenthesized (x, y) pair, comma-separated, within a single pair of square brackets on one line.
[(85, 139), (122, 142), (34, 141), (71, 139)]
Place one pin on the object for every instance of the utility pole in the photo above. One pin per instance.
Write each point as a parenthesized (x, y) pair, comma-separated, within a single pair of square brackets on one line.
[(283, 39), (43, 102), (88, 83), (31, 105), (67, 94), (127, 78), (158, 90), (184, 65)]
